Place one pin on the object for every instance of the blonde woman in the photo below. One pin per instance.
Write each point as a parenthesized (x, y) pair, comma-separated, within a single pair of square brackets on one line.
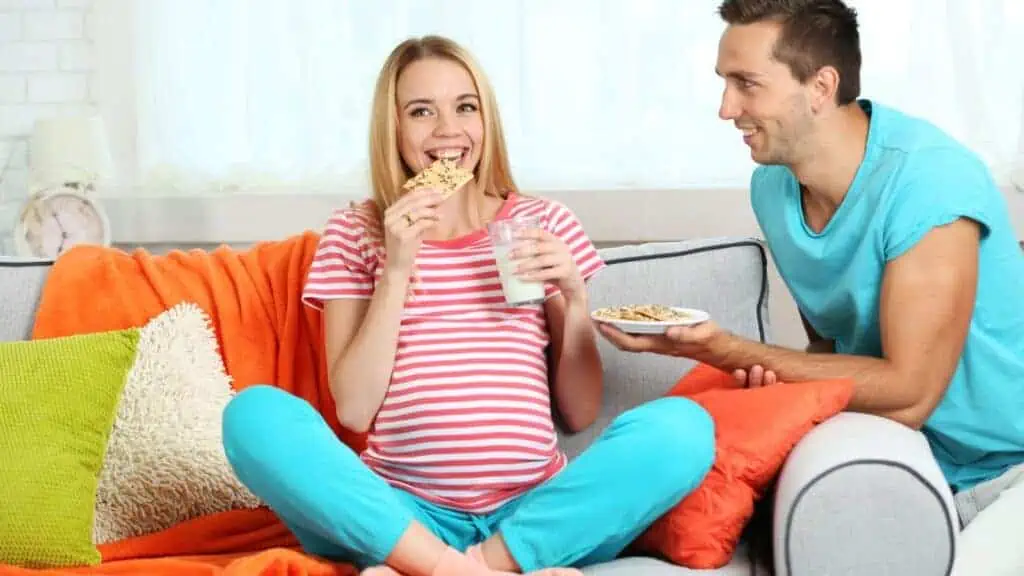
[(462, 474)]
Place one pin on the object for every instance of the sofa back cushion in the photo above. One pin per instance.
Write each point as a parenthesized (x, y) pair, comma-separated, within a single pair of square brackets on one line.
[(724, 276), (21, 283)]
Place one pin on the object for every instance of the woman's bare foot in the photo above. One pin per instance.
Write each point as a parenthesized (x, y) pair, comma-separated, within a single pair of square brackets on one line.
[(382, 570), (477, 553), (470, 564), (420, 553)]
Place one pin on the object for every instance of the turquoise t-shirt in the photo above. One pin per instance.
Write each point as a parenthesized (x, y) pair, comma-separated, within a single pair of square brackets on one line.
[(913, 177)]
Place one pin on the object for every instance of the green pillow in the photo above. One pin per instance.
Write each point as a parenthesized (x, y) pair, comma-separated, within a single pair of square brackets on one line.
[(58, 400)]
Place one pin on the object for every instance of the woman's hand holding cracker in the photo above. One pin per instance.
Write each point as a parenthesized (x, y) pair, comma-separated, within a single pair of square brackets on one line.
[(405, 221)]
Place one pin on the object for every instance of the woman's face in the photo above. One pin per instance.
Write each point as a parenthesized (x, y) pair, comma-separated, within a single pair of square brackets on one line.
[(438, 115)]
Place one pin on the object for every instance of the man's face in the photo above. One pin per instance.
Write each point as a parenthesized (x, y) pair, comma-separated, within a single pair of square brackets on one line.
[(761, 96)]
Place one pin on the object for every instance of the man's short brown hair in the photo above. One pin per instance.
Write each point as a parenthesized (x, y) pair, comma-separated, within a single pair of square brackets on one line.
[(814, 34)]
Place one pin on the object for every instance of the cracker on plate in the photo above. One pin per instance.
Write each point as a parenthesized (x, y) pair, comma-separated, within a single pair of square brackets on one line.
[(641, 313), (443, 175)]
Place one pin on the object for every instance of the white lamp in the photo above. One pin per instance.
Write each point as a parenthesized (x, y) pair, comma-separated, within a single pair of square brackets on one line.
[(69, 151)]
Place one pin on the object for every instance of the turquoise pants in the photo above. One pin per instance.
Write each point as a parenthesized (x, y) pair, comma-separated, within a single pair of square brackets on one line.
[(640, 466)]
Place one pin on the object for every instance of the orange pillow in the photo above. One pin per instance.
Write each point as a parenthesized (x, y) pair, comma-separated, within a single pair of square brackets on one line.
[(755, 429)]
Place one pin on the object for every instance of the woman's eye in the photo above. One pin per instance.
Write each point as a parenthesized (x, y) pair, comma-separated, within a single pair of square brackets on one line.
[(467, 108), (419, 112)]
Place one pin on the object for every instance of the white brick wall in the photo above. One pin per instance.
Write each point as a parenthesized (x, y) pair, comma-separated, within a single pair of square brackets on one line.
[(46, 60)]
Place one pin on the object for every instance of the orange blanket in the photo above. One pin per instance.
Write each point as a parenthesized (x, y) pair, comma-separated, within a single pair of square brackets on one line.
[(274, 562), (266, 336)]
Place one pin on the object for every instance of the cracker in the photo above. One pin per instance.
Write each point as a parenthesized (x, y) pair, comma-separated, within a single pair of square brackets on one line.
[(443, 175), (641, 313)]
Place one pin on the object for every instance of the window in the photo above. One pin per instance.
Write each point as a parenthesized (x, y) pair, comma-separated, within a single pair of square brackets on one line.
[(594, 94)]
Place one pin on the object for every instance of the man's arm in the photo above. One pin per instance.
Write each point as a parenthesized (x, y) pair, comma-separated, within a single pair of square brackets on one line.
[(757, 376), (926, 305)]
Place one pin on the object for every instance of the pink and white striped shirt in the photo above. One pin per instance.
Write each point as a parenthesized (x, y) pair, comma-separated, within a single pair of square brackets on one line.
[(466, 422)]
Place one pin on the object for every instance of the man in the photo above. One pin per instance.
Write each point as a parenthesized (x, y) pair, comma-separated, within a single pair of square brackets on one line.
[(897, 247)]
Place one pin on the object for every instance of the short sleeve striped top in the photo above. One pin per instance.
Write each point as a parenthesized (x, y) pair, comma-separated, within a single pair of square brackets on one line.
[(466, 421)]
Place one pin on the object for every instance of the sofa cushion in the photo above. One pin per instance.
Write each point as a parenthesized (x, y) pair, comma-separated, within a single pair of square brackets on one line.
[(742, 565), (165, 461), (755, 429), (58, 398), (725, 277), (21, 282)]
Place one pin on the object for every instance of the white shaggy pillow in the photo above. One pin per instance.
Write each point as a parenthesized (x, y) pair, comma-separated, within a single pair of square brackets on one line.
[(165, 462)]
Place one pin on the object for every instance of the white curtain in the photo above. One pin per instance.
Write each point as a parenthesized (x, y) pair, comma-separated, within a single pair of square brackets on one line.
[(254, 95)]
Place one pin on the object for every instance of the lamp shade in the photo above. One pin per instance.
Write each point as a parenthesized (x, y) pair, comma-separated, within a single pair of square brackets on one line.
[(72, 149)]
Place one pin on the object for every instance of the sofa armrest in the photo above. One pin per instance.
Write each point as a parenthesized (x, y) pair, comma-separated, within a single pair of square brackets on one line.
[(862, 495)]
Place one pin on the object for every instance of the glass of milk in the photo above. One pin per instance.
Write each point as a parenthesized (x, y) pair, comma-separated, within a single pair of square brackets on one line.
[(503, 233)]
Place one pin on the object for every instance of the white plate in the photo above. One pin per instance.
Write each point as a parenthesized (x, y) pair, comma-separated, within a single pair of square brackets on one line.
[(637, 327)]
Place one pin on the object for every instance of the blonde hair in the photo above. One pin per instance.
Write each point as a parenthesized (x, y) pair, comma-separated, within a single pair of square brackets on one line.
[(387, 169)]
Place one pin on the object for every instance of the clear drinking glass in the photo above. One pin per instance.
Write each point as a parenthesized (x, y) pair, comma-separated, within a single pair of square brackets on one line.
[(504, 237)]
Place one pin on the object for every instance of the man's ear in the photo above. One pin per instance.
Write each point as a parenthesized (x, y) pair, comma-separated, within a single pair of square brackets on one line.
[(825, 88)]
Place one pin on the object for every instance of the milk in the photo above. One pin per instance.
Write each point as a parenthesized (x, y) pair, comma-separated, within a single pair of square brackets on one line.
[(518, 292), (504, 237)]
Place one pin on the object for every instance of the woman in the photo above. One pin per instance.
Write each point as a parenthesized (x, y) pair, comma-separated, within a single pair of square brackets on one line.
[(462, 473)]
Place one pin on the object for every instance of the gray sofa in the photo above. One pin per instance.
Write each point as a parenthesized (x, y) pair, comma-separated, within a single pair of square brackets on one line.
[(858, 496)]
